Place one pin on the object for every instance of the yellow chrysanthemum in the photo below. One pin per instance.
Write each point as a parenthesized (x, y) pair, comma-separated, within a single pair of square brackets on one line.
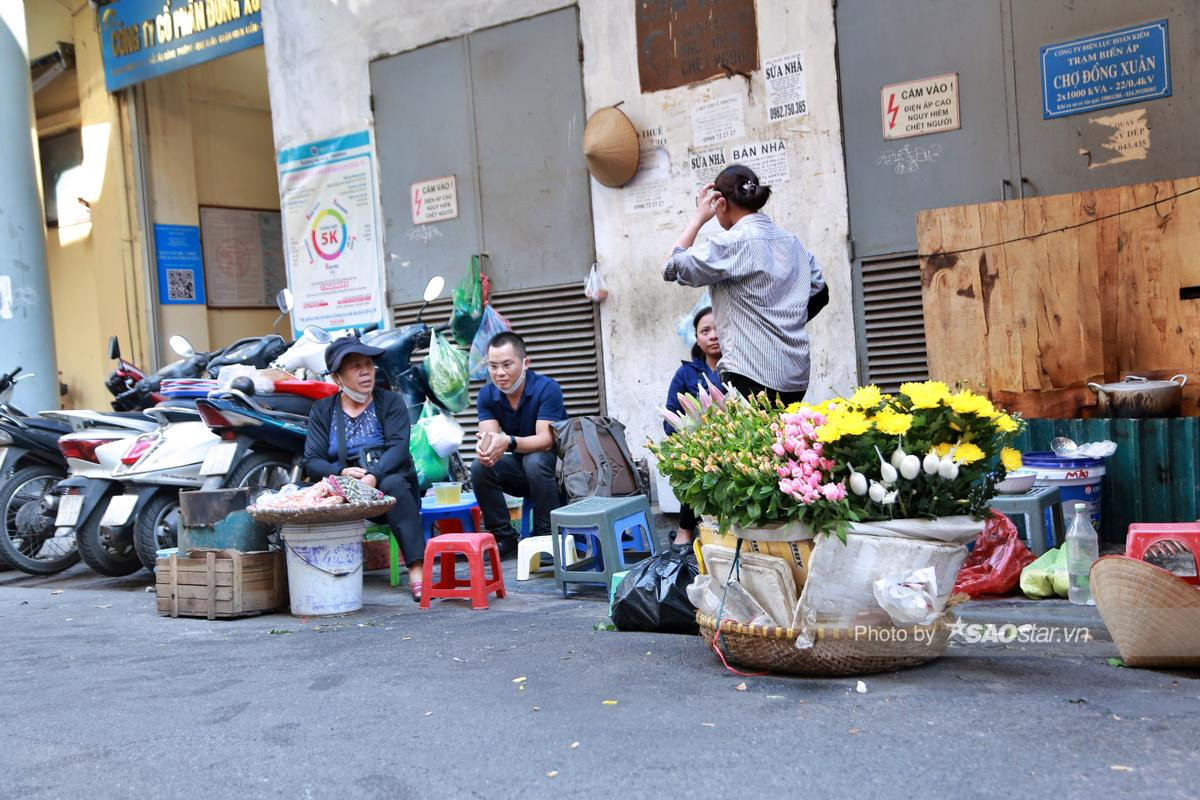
[(1011, 459), (893, 423), (967, 453), (943, 449), (829, 434), (1006, 424), (925, 395), (852, 423), (867, 397), (794, 408), (967, 402)]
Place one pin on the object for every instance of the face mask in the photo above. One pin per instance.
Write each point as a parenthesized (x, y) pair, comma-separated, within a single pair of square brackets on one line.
[(358, 397), (517, 386)]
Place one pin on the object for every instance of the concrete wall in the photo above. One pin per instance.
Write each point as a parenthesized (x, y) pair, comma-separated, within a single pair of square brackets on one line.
[(639, 318)]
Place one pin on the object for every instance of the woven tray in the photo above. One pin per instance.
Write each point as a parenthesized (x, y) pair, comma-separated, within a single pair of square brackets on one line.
[(347, 512), (835, 652)]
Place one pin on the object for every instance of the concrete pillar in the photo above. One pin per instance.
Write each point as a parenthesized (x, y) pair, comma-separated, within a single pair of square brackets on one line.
[(26, 329)]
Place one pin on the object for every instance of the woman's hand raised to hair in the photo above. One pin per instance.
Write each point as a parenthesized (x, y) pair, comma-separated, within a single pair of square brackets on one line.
[(707, 202)]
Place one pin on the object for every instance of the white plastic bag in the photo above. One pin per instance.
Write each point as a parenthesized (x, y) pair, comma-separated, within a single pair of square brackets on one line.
[(909, 598), (594, 287), (229, 372), (445, 435), (684, 328)]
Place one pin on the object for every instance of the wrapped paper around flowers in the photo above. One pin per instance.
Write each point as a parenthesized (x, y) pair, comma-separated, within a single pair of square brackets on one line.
[(839, 592)]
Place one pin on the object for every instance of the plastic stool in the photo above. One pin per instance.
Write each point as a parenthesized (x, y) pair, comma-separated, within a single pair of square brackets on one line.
[(1032, 505), (615, 532), (463, 513), (1185, 538), (476, 587), (531, 549)]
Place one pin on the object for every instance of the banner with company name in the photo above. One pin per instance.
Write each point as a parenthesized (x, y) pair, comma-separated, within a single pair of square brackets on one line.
[(143, 39)]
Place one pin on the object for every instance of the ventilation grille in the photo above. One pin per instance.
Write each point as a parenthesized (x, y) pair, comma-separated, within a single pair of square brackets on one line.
[(894, 323), (561, 328)]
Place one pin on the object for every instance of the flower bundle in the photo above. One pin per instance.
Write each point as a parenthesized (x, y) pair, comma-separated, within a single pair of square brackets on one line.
[(924, 452)]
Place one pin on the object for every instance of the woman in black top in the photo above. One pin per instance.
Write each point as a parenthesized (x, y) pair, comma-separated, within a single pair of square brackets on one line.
[(363, 432)]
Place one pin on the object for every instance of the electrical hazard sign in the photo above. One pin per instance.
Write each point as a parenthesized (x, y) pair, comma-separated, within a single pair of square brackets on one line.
[(915, 108), (434, 200)]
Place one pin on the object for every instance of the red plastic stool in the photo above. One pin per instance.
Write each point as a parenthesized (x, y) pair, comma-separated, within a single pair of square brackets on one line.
[(477, 587), (1168, 545), (450, 525)]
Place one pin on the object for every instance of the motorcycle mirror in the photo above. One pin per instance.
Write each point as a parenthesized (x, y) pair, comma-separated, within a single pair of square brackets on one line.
[(181, 346), (317, 334), (284, 300), (114, 348), (433, 289)]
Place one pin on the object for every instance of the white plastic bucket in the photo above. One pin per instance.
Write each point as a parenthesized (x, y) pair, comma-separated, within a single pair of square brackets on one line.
[(325, 568), (1079, 480)]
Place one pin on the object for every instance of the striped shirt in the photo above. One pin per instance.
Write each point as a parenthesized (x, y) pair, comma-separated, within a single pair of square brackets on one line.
[(761, 279)]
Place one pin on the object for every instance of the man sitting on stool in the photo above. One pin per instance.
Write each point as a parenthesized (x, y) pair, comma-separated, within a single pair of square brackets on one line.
[(515, 451)]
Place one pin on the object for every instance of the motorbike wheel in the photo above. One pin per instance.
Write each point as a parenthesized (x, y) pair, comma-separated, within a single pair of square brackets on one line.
[(156, 528), (31, 545), (100, 555), (259, 472)]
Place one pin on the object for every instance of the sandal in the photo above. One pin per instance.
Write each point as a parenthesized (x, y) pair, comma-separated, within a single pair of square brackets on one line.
[(416, 588)]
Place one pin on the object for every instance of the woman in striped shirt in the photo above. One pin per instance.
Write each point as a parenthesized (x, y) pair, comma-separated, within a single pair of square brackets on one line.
[(765, 286)]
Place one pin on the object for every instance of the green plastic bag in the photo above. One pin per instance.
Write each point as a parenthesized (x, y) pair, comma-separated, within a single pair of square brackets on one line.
[(468, 305), (1047, 576), (447, 374), (430, 467)]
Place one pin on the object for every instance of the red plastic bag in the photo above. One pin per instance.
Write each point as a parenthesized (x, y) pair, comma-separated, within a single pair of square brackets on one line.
[(994, 565)]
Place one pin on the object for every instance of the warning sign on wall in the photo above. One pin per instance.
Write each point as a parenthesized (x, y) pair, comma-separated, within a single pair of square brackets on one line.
[(434, 200), (929, 105)]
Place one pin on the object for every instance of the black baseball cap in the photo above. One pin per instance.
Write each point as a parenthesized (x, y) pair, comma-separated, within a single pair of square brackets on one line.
[(337, 351)]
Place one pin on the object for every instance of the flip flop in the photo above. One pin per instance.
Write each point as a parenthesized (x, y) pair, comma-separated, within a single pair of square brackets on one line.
[(416, 590)]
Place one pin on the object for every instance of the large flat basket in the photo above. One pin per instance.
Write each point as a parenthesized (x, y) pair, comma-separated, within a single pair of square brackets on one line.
[(346, 512)]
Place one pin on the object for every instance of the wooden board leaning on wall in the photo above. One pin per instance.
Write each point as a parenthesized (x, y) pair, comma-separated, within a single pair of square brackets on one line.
[(1034, 319)]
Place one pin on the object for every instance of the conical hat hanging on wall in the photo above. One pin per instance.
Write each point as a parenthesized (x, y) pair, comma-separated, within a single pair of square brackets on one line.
[(610, 147)]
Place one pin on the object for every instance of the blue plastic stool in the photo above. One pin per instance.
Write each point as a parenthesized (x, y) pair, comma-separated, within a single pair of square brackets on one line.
[(615, 532), (1042, 510), (431, 512)]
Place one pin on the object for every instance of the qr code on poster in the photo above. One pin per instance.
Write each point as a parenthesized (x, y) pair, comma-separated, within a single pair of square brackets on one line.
[(181, 284)]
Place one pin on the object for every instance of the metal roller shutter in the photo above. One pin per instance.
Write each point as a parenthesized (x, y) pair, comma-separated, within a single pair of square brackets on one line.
[(560, 326), (894, 324)]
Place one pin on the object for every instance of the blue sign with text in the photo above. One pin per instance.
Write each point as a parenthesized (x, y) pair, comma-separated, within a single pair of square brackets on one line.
[(143, 39), (180, 264), (1109, 69)]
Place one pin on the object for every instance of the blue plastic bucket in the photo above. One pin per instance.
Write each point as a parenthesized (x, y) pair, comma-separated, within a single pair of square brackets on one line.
[(1078, 480)]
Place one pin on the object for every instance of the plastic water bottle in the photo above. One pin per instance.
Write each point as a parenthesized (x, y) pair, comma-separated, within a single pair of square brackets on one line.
[(1083, 548)]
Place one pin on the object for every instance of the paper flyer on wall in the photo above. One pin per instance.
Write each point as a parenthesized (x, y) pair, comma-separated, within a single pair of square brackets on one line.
[(718, 120), (787, 89), (650, 189), (330, 224), (768, 159)]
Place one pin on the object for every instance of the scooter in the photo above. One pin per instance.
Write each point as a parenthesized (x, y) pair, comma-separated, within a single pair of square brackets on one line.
[(161, 463)]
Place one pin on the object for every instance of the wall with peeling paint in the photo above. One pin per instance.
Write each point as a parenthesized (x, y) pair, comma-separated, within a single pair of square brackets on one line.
[(639, 318)]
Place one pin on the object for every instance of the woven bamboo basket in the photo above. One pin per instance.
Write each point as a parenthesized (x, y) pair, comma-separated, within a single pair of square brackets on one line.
[(834, 651), (325, 515)]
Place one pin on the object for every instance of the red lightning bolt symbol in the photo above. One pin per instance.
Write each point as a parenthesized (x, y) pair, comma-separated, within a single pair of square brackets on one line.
[(417, 200), (893, 110)]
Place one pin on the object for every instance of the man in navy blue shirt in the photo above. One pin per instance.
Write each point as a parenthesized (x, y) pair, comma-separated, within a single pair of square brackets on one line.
[(515, 452)]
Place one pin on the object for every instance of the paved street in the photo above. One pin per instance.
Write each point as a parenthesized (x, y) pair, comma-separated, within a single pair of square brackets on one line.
[(107, 699)]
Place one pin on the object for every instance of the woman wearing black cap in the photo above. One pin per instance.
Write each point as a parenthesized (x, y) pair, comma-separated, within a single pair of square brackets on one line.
[(362, 432)]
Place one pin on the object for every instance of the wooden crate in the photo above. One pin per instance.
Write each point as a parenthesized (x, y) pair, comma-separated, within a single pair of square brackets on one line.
[(221, 584)]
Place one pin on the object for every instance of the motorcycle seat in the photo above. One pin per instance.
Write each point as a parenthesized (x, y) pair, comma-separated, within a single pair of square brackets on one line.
[(287, 403)]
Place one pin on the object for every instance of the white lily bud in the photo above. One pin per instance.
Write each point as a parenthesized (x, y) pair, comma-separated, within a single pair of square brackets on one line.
[(886, 471), (858, 482), (910, 467), (931, 463), (898, 456), (877, 492), (948, 469)]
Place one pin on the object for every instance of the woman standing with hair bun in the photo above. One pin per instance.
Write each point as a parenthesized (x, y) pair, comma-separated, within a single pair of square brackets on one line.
[(765, 286)]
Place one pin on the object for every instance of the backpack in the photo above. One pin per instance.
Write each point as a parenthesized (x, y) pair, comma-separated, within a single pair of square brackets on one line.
[(595, 459)]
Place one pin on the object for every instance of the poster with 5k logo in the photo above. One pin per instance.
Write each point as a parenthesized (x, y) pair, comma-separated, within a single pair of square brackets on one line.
[(331, 229)]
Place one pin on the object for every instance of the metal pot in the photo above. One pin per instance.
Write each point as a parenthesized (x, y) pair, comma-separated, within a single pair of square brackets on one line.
[(1136, 398)]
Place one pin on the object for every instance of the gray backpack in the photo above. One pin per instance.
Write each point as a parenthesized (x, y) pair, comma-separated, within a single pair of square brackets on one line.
[(595, 459)]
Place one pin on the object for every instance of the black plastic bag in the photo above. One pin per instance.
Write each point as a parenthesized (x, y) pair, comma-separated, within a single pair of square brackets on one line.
[(653, 596)]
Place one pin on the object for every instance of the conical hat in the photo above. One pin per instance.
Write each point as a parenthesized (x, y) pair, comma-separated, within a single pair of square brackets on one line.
[(610, 147), (1153, 615)]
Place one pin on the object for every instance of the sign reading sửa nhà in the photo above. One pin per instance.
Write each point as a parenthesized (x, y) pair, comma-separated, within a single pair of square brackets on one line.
[(143, 39), (915, 108)]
